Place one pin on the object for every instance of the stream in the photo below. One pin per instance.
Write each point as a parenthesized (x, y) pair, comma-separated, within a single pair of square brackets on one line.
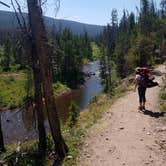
[(20, 125)]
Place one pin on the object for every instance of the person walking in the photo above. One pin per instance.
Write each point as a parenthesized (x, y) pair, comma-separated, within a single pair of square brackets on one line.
[(141, 81)]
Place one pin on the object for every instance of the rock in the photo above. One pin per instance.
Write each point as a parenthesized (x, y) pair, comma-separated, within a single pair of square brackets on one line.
[(163, 140), (107, 139), (148, 133), (151, 160), (121, 128), (147, 163), (161, 129), (86, 145), (69, 157), (141, 140), (88, 156)]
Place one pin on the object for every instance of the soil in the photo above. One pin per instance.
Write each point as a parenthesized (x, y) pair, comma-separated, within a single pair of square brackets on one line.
[(128, 137)]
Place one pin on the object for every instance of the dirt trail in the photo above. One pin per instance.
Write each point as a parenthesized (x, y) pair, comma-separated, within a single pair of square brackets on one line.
[(127, 137)]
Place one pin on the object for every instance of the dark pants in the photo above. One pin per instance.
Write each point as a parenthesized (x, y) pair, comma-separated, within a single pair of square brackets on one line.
[(141, 93)]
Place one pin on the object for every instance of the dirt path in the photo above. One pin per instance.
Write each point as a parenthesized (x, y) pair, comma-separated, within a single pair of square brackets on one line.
[(127, 137)]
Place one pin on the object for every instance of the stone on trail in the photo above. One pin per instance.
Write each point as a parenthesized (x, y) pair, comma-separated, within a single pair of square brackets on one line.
[(121, 128), (161, 129)]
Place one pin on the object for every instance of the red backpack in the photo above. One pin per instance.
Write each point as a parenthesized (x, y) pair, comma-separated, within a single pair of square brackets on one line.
[(147, 78)]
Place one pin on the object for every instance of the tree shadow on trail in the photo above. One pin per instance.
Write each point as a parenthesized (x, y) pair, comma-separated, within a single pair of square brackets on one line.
[(154, 114)]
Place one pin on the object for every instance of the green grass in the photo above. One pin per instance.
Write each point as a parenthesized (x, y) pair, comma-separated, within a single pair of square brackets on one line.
[(60, 88), (163, 96), (74, 136), (13, 69), (12, 91)]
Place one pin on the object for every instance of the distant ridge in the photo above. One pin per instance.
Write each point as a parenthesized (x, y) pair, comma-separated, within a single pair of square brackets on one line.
[(8, 21)]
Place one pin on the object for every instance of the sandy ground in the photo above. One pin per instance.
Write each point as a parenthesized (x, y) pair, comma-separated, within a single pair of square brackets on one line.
[(125, 136)]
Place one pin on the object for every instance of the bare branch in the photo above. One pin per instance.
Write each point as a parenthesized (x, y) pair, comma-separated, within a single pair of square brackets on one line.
[(57, 6), (55, 3), (23, 19), (4, 4), (18, 19)]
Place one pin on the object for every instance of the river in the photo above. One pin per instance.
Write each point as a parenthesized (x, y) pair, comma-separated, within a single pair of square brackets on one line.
[(21, 126)]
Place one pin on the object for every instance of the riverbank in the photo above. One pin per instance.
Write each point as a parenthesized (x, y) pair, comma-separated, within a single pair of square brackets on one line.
[(131, 137), (88, 118), (23, 121), (74, 137), (13, 90)]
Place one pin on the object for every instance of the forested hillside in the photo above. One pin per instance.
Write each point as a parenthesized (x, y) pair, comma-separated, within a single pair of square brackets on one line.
[(9, 23)]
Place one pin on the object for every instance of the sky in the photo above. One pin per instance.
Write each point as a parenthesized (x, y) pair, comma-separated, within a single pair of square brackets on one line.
[(87, 11)]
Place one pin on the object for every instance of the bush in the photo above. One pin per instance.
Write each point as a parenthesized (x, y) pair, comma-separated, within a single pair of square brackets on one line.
[(73, 114)]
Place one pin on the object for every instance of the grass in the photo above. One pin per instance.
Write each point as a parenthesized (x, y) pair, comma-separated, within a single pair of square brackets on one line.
[(163, 96), (74, 136), (60, 88), (87, 118), (13, 90)]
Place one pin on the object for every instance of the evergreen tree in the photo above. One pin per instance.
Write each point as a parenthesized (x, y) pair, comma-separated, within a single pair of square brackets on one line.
[(163, 8), (6, 58)]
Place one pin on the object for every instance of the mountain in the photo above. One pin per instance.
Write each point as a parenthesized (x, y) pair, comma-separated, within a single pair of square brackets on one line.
[(8, 21)]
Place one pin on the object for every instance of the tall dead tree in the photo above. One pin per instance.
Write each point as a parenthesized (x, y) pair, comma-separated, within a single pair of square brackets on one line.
[(28, 44), (43, 51), (2, 147), (39, 107)]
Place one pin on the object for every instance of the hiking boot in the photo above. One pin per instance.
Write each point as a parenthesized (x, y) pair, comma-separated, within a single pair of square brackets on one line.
[(140, 108), (143, 108)]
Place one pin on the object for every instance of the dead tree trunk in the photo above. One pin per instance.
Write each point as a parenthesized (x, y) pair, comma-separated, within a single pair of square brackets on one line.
[(43, 50), (30, 48), (39, 102), (2, 147), (31, 52)]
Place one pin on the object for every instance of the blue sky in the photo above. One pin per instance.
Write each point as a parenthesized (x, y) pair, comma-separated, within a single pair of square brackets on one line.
[(87, 11)]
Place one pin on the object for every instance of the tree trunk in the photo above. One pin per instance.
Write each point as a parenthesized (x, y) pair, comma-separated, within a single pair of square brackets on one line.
[(39, 102), (43, 50), (33, 59), (30, 49), (2, 147)]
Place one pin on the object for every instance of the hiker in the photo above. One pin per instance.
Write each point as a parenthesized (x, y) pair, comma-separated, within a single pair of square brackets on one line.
[(141, 83), (144, 79)]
